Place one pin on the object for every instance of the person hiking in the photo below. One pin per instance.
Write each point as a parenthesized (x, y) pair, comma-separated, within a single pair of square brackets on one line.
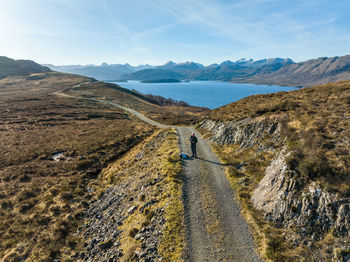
[(193, 140)]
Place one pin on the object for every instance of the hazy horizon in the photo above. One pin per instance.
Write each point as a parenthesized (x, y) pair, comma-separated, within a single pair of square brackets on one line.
[(90, 32), (161, 64)]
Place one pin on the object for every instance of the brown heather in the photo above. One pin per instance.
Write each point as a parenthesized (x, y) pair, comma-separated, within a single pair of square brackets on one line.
[(316, 129), (42, 200), (172, 114), (316, 125)]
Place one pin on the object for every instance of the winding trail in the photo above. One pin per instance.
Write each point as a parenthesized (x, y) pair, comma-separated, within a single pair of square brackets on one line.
[(127, 109), (215, 228)]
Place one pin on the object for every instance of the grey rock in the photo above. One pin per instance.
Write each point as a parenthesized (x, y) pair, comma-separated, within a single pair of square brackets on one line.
[(305, 208), (131, 209), (138, 236), (313, 210), (247, 132)]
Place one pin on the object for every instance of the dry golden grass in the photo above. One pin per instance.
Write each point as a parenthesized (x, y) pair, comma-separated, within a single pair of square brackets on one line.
[(173, 242), (42, 200), (267, 236), (160, 160), (317, 128)]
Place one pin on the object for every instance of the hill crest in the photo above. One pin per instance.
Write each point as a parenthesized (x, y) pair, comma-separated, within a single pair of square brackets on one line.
[(10, 67)]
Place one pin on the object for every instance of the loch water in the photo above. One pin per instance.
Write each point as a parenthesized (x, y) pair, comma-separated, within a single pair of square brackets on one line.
[(211, 94)]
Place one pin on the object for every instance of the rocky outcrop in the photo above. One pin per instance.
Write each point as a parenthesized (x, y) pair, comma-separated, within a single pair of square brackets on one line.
[(246, 133), (311, 209), (103, 220), (306, 210), (127, 215)]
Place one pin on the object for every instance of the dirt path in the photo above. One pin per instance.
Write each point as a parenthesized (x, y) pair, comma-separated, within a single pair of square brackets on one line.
[(215, 228), (127, 109)]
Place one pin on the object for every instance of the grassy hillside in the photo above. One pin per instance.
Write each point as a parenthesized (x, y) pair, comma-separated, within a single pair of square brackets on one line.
[(157, 108), (54, 149), (316, 126), (51, 148), (10, 67), (311, 128)]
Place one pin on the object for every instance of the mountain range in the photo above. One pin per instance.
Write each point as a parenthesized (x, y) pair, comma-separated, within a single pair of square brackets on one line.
[(279, 71), (100, 72), (312, 72)]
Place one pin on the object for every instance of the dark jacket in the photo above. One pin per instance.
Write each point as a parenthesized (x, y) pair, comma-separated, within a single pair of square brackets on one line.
[(193, 140)]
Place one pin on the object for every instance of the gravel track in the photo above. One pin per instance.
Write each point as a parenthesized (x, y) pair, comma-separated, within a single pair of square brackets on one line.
[(215, 228), (127, 109)]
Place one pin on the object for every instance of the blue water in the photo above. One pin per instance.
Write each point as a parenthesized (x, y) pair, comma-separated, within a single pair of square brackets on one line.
[(211, 94)]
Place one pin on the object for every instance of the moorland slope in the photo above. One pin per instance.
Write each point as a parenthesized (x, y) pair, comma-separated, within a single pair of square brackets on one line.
[(55, 148), (289, 164), (52, 148), (166, 111)]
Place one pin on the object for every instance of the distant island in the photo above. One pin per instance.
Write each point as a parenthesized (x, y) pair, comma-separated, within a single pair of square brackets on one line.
[(170, 80), (119, 80)]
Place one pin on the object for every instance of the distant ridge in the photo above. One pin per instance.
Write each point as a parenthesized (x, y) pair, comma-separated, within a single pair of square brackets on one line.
[(279, 71), (153, 74), (309, 73), (10, 67), (101, 72), (228, 70)]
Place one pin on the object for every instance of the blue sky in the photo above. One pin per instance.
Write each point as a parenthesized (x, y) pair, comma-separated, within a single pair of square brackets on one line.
[(156, 31)]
